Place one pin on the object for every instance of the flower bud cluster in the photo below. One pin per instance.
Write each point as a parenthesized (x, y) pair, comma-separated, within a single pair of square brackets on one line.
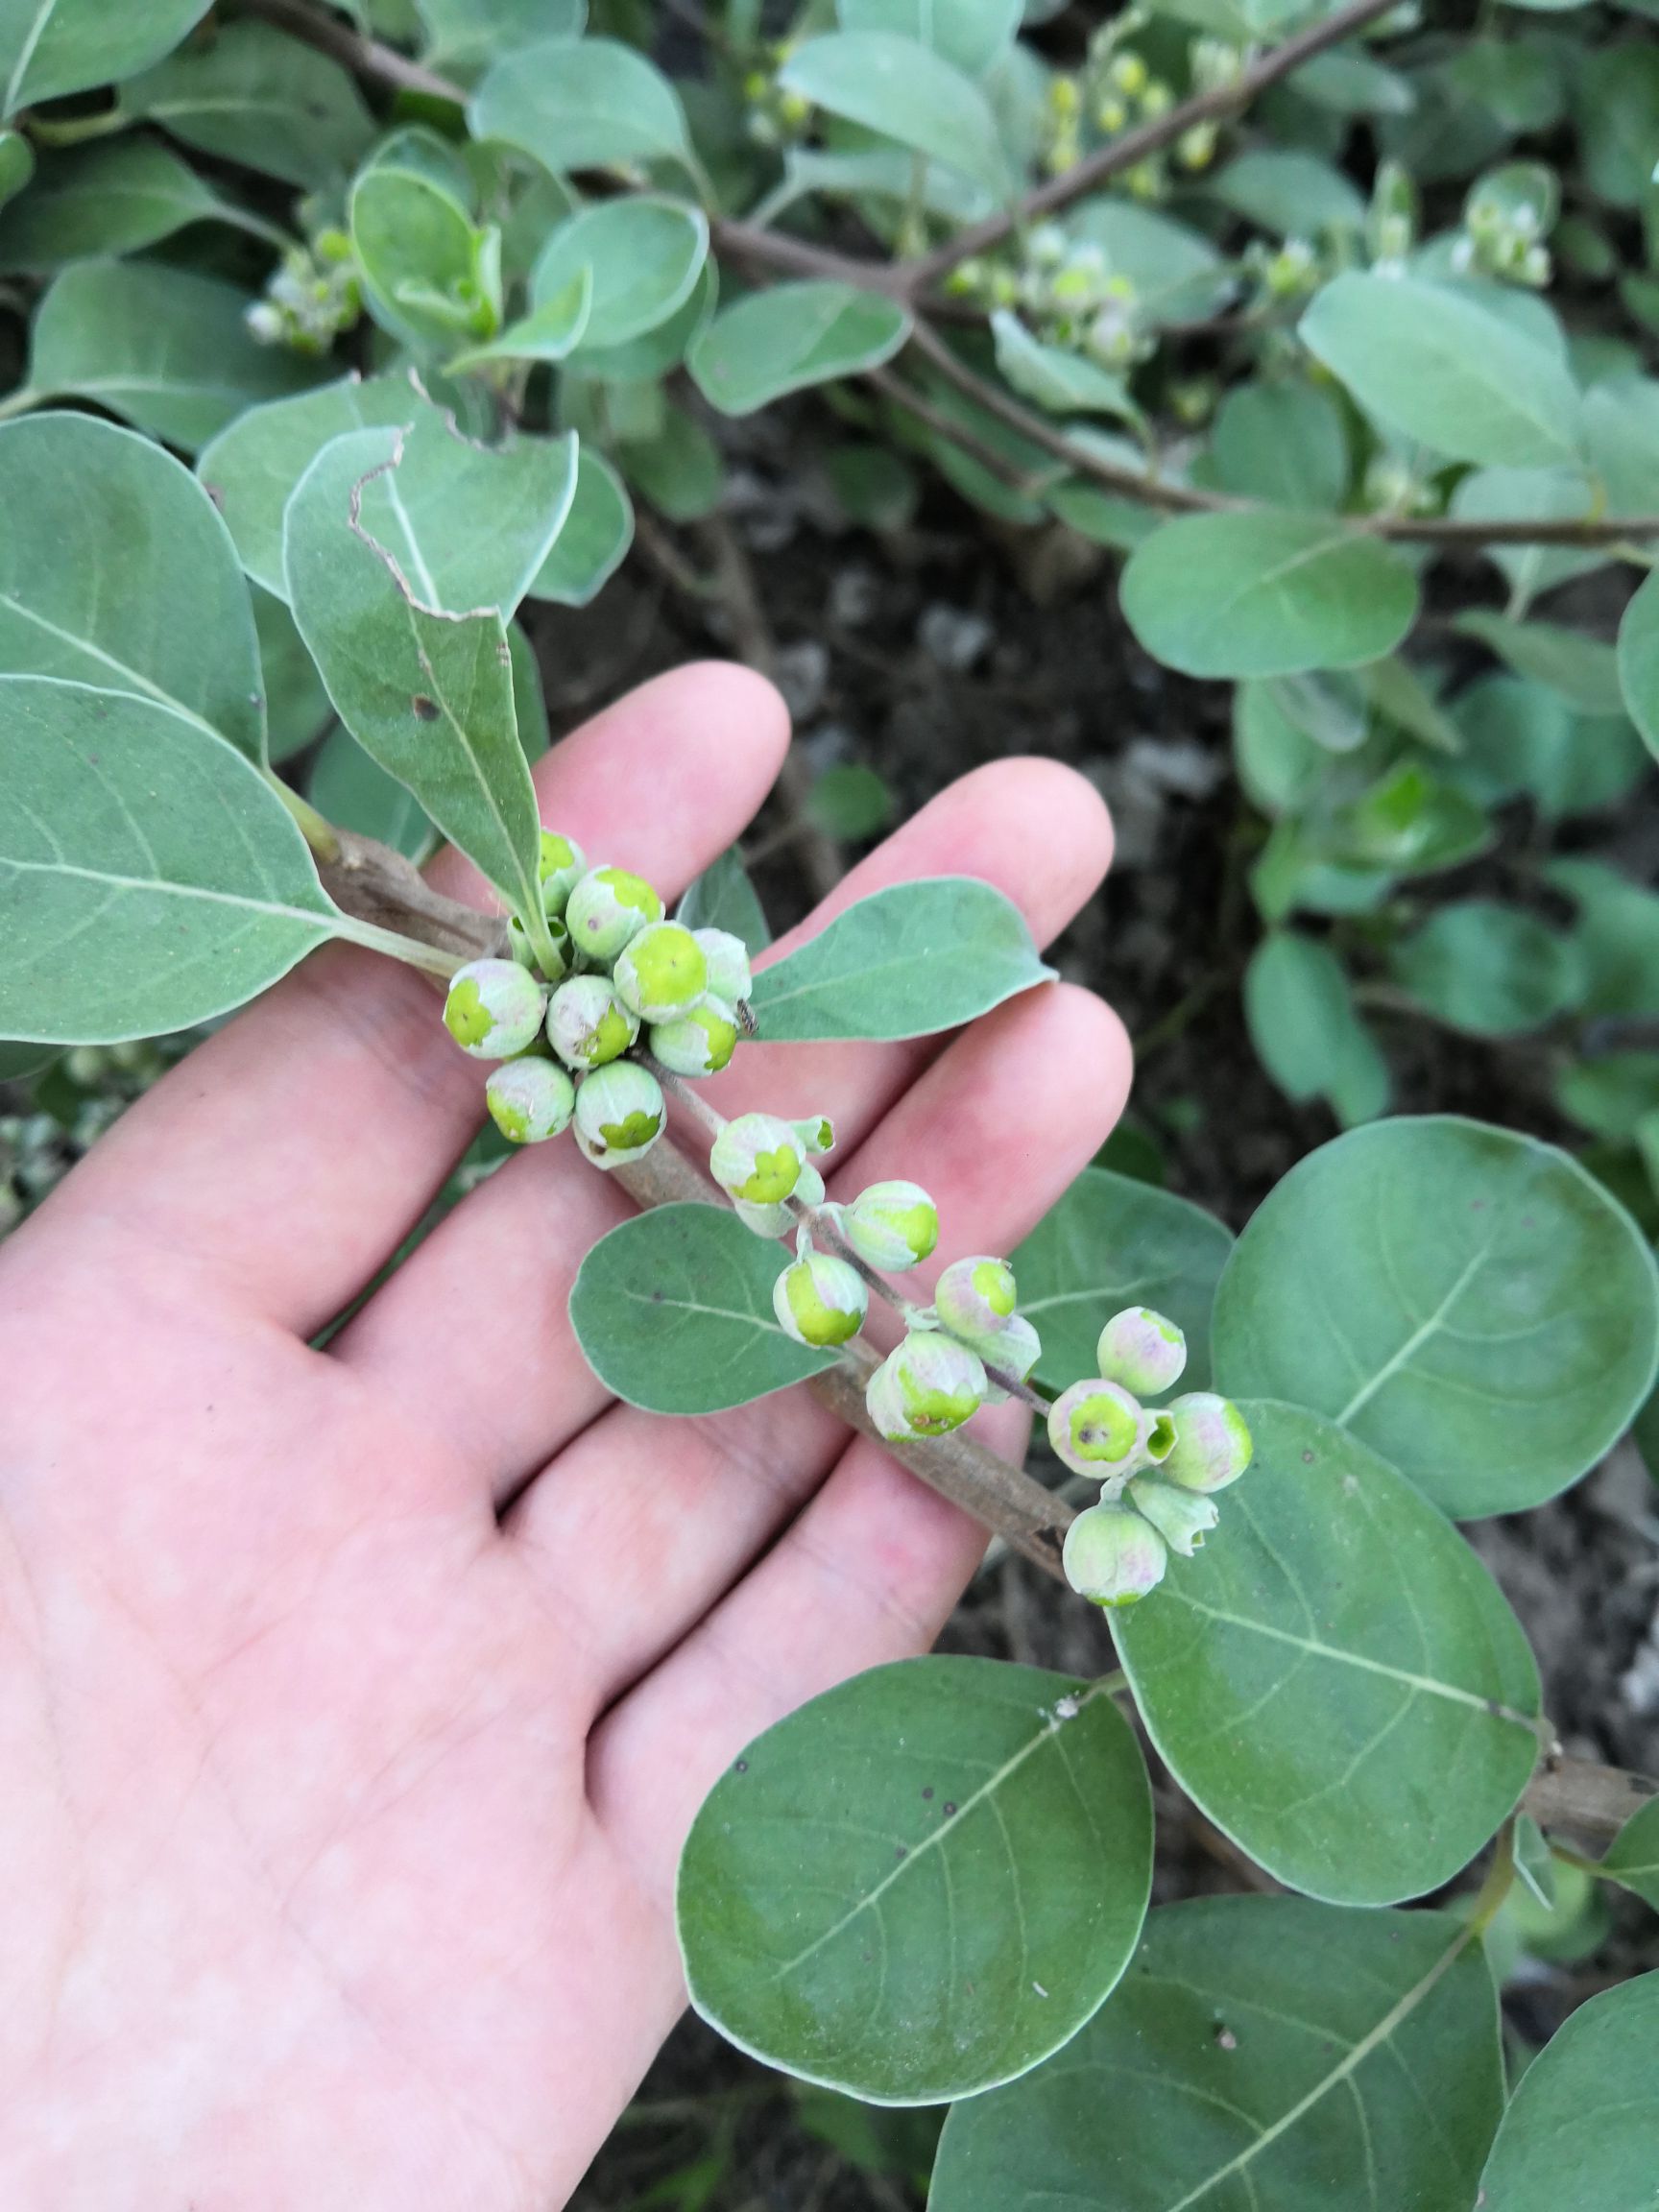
[(313, 295), (1506, 218), (1157, 1467), (1065, 289), (604, 973), (957, 1354), (774, 117)]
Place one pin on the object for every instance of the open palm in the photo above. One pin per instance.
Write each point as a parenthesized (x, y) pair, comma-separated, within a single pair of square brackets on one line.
[(354, 1704)]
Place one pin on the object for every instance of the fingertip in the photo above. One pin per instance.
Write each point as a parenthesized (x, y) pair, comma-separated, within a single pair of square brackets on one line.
[(1055, 793), (1101, 1053)]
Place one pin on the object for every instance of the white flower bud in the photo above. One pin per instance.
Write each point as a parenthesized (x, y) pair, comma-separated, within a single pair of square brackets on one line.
[(891, 1225), (820, 1300), (607, 908), (588, 1024), (1096, 1428), (619, 1113), (662, 973), (975, 1299), (727, 957), (928, 1387), (1211, 1446), (493, 1008), (1142, 1350), (530, 1099), (757, 1158), (1113, 1557), (700, 1043)]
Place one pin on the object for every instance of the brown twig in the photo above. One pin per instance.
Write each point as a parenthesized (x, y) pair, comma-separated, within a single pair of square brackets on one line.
[(901, 395), (366, 58), (1136, 146)]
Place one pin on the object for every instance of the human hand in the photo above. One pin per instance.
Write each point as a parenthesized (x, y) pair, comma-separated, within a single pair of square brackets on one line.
[(354, 1704)]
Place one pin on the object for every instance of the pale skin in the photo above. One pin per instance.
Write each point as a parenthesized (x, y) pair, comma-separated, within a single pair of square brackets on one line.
[(354, 1705)]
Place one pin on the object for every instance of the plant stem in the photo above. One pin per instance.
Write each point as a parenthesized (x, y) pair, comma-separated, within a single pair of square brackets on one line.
[(368, 58), (413, 951), (319, 833), (1500, 1878)]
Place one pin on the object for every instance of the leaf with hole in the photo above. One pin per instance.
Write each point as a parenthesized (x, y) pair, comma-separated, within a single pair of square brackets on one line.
[(673, 1312), (1467, 1302), (1111, 1242), (790, 336), (908, 961), (1335, 1680), (115, 571), (1261, 2052), (1265, 594), (150, 878), (924, 1881)]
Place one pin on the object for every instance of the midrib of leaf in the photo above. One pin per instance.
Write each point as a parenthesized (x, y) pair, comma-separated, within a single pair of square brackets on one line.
[(165, 888), (946, 1829), (1418, 1338), (1342, 2072), (138, 681), (527, 895), (1276, 574), (1497, 392), (25, 53)]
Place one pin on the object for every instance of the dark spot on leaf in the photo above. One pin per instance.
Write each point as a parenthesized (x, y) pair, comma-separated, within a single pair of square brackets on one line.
[(899, 1851), (928, 1793), (1307, 1458), (426, 710), (742, 1766), (949, 1809)]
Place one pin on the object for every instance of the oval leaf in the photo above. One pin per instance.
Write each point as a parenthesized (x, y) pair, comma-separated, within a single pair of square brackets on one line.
[(1113, 1243), (1632, 1859), (1584, 2125), (580, 103), (905, 91), (789, 336), (594, 541), (116, 571), (149, 878), (673, 1312), (51, 47), (1335, 1679), (110, 198), (1265, 594), (1261, 2052), (641, 257), (1467, 1301), (1438, 366), (257, 97), (1491, 969), (906, 962), (924, 1881)]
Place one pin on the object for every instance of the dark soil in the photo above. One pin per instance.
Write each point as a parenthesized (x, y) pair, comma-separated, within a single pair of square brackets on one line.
[(922, 654)]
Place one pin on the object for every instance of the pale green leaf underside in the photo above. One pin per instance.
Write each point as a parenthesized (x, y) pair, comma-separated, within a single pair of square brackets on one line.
[(150, 878), (924, 1881), (580, 103), (1261, 2055), (1632, 1859), (115, 571), (1113, 1243), (256, 96), (51, 47), (639, 258), (1467, 1301), (905, 91), (1265, 594), (673, 1312), (906, 962), (1582, 2129), (790, 336), (594, 541), (1335, 1678)]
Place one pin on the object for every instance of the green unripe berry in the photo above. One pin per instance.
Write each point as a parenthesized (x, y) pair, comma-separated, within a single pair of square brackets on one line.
[(975, 1299), (820, 1300), (561, 867), (530, 1099), (1095, 1428), (727, 957), (525, 953), (927, 1387), (1113, 1557), (1211, 1446), (493, 1009), (606, 910), (757, 1157), (1181, 1517), (1142, 1350), (700, 1043), (662, 972), (619, 1113), (891, 1224), (588, 1024)]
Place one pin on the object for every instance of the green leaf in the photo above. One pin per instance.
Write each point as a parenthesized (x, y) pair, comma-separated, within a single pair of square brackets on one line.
[(673, 1312), (351, 789), (1350, 83), (18, 1061), (16, 165), (428, 694), (297, 707), (1523, 737), (471, 34), (1335, 1680), (924, 1881), (906, 962), (1543, 495), (971, 34), (115, 571), (110, 199), (1582, 669), (1638, 661), (425, 265), (1491, 969), (851, 802), (1436, 364), (1289, 192), (1056, 378), (1282, 442), (251, 468), (150, 878), (580, 103), (1611, 1096), (789, 336), (903, 90), (1617, 937), (723, 898), (656, 353), (51, 47), (1261, 2052), (594, 541), (680, 471), (550, 332), (1622, 430), (642, 255), (1469, 1302), (1632, 1859), (1582, 2128), (1111, 1242), (166, 348), (1307, 1031), (1265, 594), (1617, 114), (254, 96)]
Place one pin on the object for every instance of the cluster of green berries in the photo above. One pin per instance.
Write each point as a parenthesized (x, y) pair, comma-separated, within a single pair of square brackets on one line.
[(1285, 274), (774, 117), (313, 295), (1067, 289), (1507, 216), (1159, 1467), (605, 974), (1116, 91)]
